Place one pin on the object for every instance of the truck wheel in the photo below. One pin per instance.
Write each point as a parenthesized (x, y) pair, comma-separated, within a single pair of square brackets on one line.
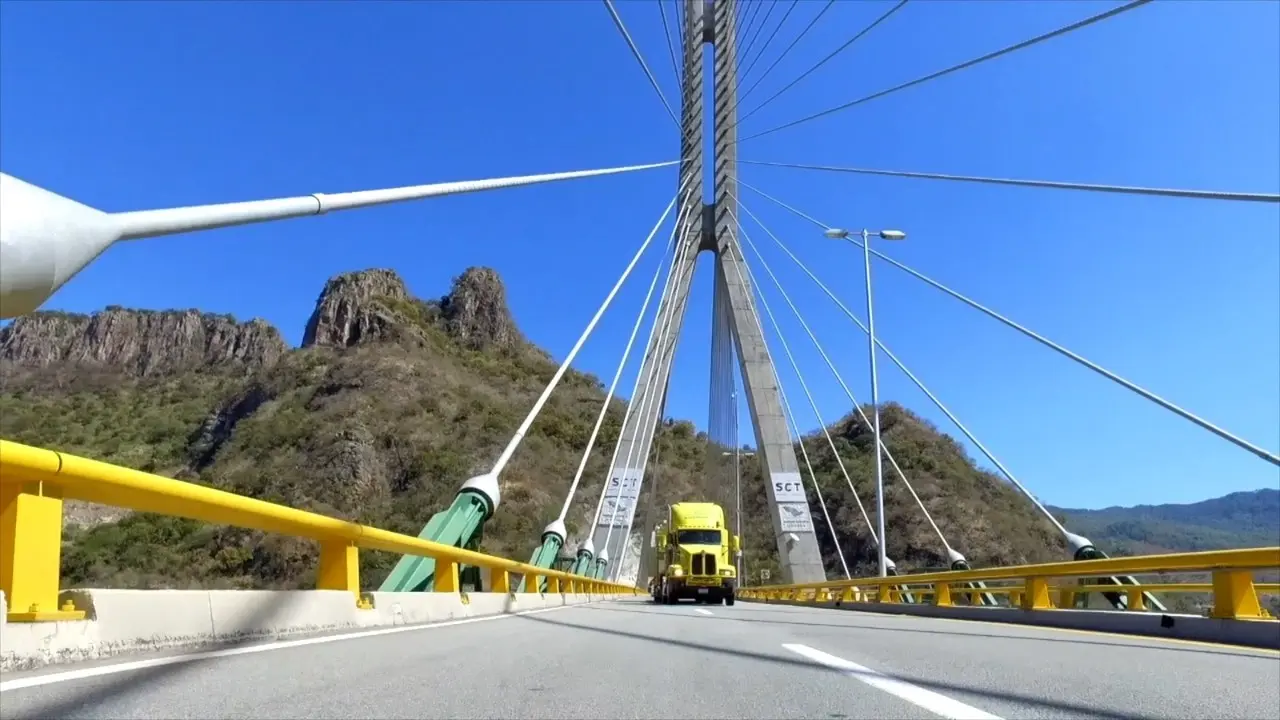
[(728, 600)]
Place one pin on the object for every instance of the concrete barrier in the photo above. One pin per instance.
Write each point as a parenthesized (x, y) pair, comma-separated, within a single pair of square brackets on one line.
[(129, 621), (1251, 633)]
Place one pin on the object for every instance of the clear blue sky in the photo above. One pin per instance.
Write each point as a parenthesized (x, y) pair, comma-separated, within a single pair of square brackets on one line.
[(141, 105)]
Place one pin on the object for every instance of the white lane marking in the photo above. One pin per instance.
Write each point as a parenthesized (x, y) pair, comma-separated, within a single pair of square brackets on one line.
[(80, 674), (700, 611), (929, 700)]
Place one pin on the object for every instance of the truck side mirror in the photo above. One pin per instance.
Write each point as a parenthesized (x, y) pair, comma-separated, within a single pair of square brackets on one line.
[(737, 544)]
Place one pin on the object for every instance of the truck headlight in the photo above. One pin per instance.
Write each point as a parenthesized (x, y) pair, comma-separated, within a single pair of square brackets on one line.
[(726, 572)]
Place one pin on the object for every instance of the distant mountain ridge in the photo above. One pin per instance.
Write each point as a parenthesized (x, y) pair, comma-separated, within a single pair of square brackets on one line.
[(1240, 519)]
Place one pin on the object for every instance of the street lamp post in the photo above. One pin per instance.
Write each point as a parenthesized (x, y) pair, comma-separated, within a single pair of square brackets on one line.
[(838, 234), (737, 482)]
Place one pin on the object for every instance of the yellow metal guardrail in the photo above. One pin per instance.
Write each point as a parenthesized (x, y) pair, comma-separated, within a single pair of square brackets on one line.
[(1235, 595), (34, 482)]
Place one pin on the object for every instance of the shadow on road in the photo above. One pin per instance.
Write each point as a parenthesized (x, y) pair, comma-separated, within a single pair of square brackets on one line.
[(118, 687), (1130, 642), (778, 659)]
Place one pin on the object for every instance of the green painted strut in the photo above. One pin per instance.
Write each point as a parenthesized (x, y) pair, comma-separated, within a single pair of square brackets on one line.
[(462, 525), (582, 564), (544, 557)]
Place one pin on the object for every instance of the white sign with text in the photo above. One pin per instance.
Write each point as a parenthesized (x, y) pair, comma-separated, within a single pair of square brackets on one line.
[(620, 498), (787, 488)]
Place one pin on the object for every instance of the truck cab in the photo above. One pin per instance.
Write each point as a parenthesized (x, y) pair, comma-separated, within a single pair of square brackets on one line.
[(695, 556)]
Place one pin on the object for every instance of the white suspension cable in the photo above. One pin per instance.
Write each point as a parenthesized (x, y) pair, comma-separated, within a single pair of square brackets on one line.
[(1132, 387), (626, 533), (582, 339), (746, 49), (631, 404), (955, 68), (660, 323), (140, 224), (786, 347), (1055, 184), (795, 427), (769, 41), (617, 375), (824, 60), (813, 479), (747, 23), (788, 49), (883, 448), (679, 18), (643, 456), (666, 35), (653, 394), (647, 405), (640, 58), (920, 384)]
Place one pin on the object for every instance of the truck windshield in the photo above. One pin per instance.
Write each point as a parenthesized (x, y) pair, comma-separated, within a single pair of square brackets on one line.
[(699, 537)]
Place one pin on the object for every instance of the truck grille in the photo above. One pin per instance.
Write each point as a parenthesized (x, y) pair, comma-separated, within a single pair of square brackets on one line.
[(703, 564)]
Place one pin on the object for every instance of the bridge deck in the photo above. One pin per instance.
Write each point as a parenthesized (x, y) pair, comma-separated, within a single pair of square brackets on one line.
[(633, 659)]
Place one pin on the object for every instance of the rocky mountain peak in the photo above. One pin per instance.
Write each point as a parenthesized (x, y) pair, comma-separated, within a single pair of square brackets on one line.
[(476, 313), (139, 342), (348, 310)]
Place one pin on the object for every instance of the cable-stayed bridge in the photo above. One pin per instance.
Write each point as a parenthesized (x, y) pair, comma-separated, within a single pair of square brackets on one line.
[(453, 632)]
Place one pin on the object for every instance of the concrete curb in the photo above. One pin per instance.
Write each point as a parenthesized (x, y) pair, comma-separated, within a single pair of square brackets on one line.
[(1249, 633), (129, 621)]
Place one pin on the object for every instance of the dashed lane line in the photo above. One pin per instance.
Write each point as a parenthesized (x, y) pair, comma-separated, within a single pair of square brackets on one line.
[(935, 703)]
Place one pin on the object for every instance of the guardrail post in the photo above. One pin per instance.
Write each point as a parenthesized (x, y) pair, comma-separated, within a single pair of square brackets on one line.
[(531, 583), (500, 581), (31, 552), (887, 593), (1234, 597), (446, 576), (1035, 594), (942, 595), (1137, 600), (553, 585), (339, 567)]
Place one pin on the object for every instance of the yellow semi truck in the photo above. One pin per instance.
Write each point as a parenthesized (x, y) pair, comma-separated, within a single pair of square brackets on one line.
[(695, 556)]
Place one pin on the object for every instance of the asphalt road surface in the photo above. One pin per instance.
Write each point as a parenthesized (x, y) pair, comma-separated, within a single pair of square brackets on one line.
[(633, 659)]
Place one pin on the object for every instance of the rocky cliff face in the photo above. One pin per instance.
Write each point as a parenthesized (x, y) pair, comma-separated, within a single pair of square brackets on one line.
[(347, 312), (140, 343), (370, 306), (476, 313)]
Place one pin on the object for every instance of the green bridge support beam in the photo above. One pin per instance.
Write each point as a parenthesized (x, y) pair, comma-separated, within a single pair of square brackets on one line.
[(1083, 549), (462, 526), (546, 553), (600, 566), (583, 564)]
